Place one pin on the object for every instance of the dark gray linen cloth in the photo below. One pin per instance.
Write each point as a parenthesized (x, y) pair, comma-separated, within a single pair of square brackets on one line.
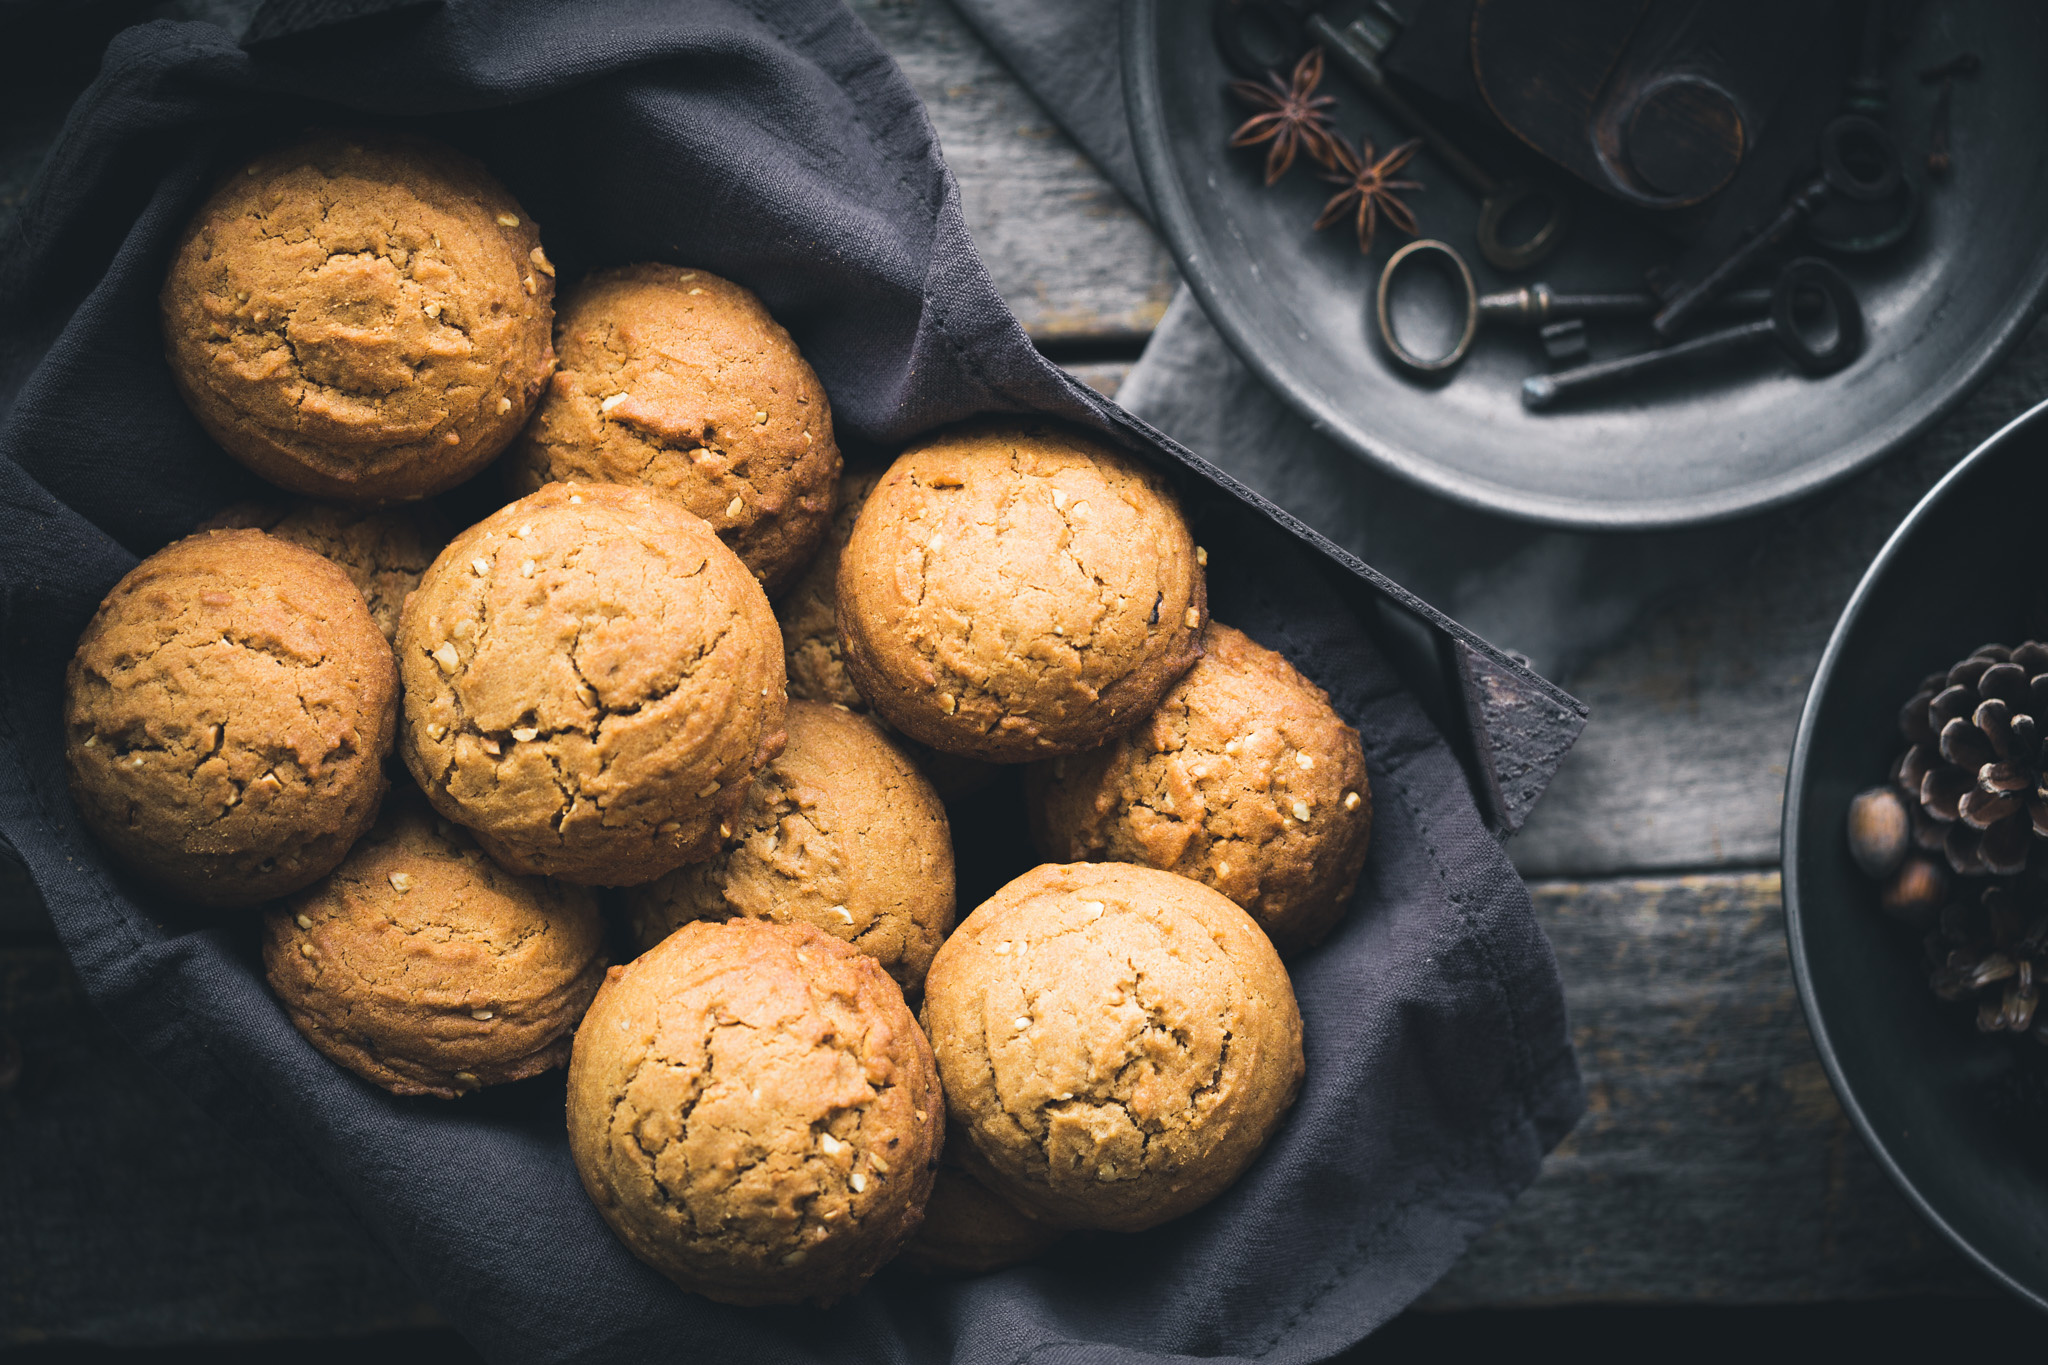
[(778, 145)]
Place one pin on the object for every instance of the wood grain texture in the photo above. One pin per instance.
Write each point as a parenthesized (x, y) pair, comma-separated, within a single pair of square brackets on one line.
[(1694, 708), (1070, 256), (1713, 1164)]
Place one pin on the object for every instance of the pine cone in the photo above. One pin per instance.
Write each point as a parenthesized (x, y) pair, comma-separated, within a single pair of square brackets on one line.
[(1994, 947), (1976, 761)]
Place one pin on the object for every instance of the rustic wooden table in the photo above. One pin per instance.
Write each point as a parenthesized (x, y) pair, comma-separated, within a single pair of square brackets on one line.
[(1713, 1166)]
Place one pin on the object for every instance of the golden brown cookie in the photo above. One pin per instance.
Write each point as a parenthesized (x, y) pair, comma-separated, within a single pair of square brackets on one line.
[(591, 681), (678, 380), (1245, 779), (427, 969), (755, 1112), (1117, 1043), (227, 715), (383, 552), (362, 317), (1017, 592), (970, 1230), (839, 831), (809, 616)]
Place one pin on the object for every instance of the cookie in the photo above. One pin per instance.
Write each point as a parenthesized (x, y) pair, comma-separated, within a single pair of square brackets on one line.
[(363, 318), (226, 718), (383, 552), (425, 968), (839, 831), (1116, 1043), (1018, 592), (755, 1113), (591, 681), (970, 1230), (1245, 780), (809, 616), (680, 381)]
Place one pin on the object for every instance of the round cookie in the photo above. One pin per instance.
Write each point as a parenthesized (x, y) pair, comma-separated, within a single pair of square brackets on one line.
[(680, 381), (755, 1113), (809, 616), (839, 831), (970, 1230), (427, 969), (591, 681), (227, 715), (383, 552), (1245, 779), (360, 317), (1018, 592), (1116, 1043)]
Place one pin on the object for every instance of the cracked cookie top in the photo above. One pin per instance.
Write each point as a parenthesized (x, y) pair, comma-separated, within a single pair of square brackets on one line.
[(840, 831), (591, 681), (1013, 592), (1116, 1043), (1245, 779), (755, 1112), (360, 317), (680, 381), (427, 969), (227, 715), (383, 551), (809, 616)]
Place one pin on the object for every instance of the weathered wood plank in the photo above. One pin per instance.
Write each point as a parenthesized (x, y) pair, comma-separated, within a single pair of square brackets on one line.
[(1694, 708), (1713, 1164), (1070, 256)]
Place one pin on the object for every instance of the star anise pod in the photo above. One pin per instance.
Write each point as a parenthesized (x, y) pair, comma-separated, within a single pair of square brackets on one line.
[(1367, 193), (1293, 117)]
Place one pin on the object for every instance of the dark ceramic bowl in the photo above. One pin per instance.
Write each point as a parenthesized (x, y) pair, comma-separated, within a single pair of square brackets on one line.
[(1959, 1119), (1699, 445)]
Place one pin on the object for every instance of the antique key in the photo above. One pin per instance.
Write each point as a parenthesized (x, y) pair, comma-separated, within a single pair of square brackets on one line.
[(1806, 276), (1358, 46), (1857, 161), (1535, 305)]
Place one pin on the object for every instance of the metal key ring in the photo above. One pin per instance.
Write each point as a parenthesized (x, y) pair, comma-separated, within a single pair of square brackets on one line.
[(1402, 355), (1839, 142), (1493, 215), (1813, 273)]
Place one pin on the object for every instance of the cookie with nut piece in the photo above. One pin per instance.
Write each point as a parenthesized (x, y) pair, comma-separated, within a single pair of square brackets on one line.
[(1116, 1043), (227, 715), (680, 381), (427, 969), (755, 1112), (1018, 591), (839, 831), (364, 317), (592, 679), (383, 550), (1245, 779)]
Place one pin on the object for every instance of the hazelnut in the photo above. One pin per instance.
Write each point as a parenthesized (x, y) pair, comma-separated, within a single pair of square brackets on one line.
[(1880, 831), (1915, 893)]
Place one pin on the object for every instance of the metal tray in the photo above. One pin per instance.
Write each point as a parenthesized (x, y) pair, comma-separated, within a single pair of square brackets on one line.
[(1959, 1119), (1703, 445)]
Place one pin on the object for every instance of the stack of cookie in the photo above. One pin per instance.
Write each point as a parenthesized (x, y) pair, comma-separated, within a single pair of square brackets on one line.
[(590, 689)]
